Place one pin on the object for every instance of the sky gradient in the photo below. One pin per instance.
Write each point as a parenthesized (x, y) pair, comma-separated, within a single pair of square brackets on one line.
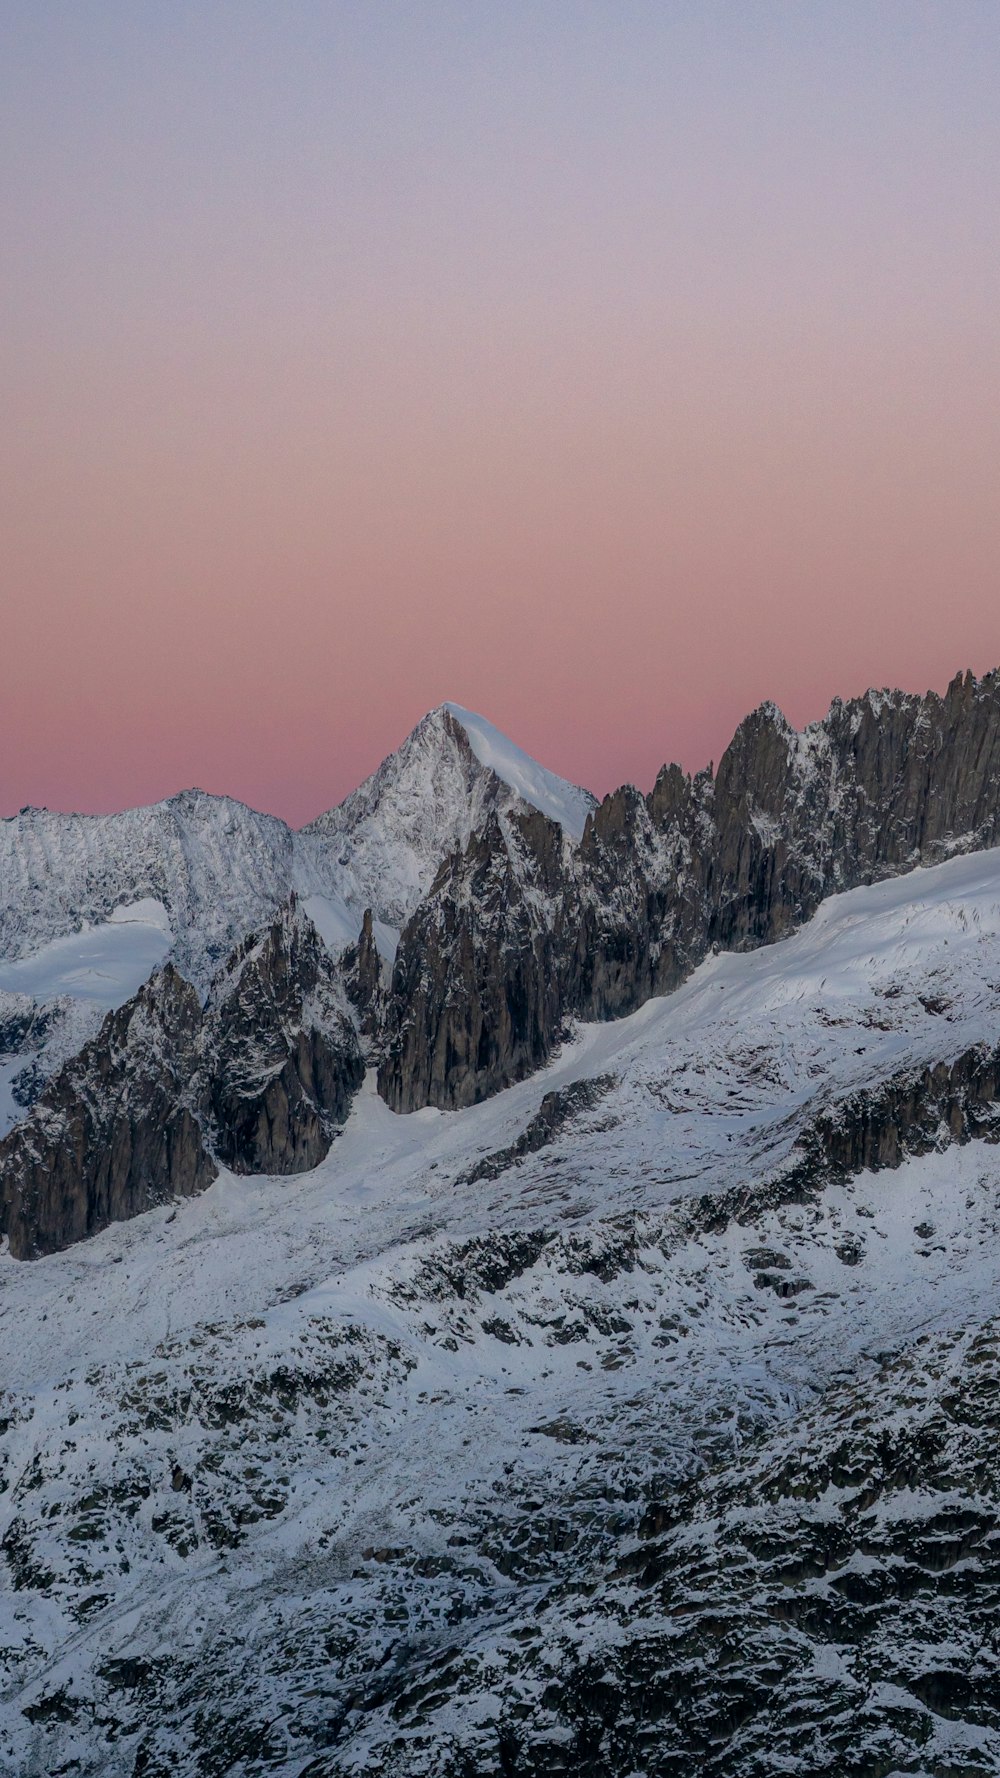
[(605, 367)]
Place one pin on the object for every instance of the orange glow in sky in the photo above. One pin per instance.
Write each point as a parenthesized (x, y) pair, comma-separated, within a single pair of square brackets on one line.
[(606, 369)]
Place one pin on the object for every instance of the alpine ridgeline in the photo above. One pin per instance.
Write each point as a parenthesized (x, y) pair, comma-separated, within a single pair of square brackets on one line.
[(244, 1047), (642, 1418), (524, 930), (210, 870), (523, 903)]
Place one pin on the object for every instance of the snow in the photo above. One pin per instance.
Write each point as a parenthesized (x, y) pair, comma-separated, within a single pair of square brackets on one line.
[(713, 1083), (452, 1419), (339, 925), (382, 847), (105, 963), (554, 796)]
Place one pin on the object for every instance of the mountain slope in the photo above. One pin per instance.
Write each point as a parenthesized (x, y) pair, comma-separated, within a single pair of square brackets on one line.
[(565, 1433), (215, 867)]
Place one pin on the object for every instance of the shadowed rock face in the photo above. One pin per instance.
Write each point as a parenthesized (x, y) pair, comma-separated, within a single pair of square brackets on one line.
[(948, 1102), (281, 1057), (521, 931), (113, 1132), (364, 979), (258, 1080), (475, 993)]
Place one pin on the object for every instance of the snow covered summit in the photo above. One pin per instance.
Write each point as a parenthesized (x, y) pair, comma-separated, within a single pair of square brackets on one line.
[(217, 869), (535, 784), (381, 847)]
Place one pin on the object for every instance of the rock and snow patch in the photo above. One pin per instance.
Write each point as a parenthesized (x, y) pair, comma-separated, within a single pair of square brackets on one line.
[(535, 784), (103, 963), (406, 1466)]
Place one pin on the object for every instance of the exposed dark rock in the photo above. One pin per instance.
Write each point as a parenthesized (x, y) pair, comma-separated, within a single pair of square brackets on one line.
[(364, 978), (114, 1132), (24, 1024), (558, 1108), (281, 1055), (27, 1087), (521, 932), (949, 1102), (260, 1079), (475, 994)]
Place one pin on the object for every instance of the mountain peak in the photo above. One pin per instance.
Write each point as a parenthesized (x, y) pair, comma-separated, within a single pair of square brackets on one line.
[(385, 842), (555, 797)]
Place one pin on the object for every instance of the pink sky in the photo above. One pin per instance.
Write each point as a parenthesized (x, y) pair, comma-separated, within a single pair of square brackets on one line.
[(605, 380)]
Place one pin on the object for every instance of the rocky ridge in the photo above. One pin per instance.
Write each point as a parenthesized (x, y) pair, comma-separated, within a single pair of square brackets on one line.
[(259, 1080), (114, 1132), (280, 1057), (523, 931)]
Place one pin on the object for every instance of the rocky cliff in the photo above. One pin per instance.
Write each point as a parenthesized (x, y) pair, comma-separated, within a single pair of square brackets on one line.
[(115, 1131), (280, 1055), (475, 996), (259, 1079), (520, 932)]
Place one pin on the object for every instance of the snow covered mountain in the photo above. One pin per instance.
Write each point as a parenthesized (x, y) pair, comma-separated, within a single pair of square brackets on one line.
[(629, 1407), (90, 904), (640, 1419), (383, 846)]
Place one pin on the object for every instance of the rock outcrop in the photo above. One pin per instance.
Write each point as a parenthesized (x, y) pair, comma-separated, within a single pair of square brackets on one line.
[(281, 1057), (519, 932), (559, 1109), (259, 1079), (475, 989), (947, 1102), (115, 1131), (366, 978)]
